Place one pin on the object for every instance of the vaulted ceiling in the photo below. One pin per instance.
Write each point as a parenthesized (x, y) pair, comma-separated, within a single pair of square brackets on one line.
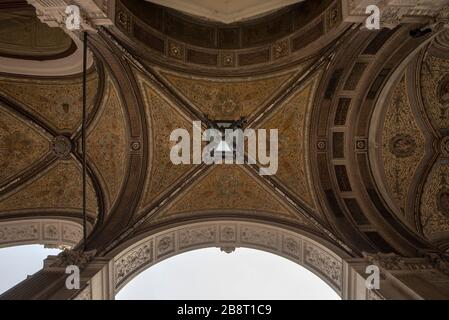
[(362, 120)]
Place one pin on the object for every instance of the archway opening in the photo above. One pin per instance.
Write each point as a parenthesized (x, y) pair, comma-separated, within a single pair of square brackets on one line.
[(20, 261), (242, 274)]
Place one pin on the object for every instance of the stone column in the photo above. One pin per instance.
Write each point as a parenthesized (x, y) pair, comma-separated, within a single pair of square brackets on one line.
[(50, 282)]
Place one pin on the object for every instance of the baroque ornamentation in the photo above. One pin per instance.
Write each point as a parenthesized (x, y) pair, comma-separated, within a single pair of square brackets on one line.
[(21, 145), (57, 101), (227, 187), (435, 90), (60, 187), (163, 119), (74, 257), (108, 144), (61, 146), (402, 144), (323, 262), (132, 260), (263, 237), (18, 232), (433, 208), (444, 147), (200, 235), (226, 100), (291, 119)]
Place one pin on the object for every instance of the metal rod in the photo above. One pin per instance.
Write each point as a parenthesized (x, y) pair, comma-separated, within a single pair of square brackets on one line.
[(83, 141)]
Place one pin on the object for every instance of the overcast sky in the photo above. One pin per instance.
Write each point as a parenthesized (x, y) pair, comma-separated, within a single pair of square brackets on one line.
[(200, 274)]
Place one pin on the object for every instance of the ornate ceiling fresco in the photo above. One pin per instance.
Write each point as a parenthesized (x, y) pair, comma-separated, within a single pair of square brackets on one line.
[(362, 115)]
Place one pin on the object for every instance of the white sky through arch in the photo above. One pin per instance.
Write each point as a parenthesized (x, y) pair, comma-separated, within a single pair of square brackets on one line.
[(242, 274)]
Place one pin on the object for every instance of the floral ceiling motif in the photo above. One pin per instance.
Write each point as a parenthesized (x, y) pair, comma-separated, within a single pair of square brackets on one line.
[(107, 143), (21, 145), (222, 99), (435, 203), (162, 119), (59, 188), (402, 144), (58, 101), (435, 90), (231, 188), (292, 121)]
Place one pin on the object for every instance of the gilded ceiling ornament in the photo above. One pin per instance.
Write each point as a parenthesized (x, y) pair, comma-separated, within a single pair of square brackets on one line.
[(443, 201), (402, 145), (107, 142), (444, 146), (21, 145), (61, 146), (443, 90), (435, 90)]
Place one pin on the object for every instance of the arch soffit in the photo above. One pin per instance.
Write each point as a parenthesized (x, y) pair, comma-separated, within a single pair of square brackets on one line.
[(317, 255)]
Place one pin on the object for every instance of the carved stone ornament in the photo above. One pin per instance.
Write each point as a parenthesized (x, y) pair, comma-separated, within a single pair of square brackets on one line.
[(440, 262), (443, 201), (61, 146), (444, 146), (394, 262), (74, 257), (402, 145)]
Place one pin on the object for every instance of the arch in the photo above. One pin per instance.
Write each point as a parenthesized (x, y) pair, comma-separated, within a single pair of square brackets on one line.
[(62, 233), (317, 255), (68, 65)]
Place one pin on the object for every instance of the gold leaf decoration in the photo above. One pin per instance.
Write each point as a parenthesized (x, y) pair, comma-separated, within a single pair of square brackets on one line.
[(162, 119), (227, 99), (291, 120), (21, 145), (58, 188), (108, 143), (229, 187), (57, 101), (402, 145), (435, 90)]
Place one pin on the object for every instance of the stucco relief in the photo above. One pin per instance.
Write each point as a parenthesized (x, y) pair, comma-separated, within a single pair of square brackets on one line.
[(21, 145), (291, 119), (228, 234), (228, 187), (435, 90), (40, 231), (434, 203), (107, 143), (162, 119), (262, 237), (324, 262), (59, 187), (402, 144), (226, 99), (133, 260), (197, 236), (59, 101)]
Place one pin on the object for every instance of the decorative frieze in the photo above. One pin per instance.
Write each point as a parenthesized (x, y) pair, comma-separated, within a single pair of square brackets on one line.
[(227, 236), (133, 260), (323, 262), (49, 232)]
